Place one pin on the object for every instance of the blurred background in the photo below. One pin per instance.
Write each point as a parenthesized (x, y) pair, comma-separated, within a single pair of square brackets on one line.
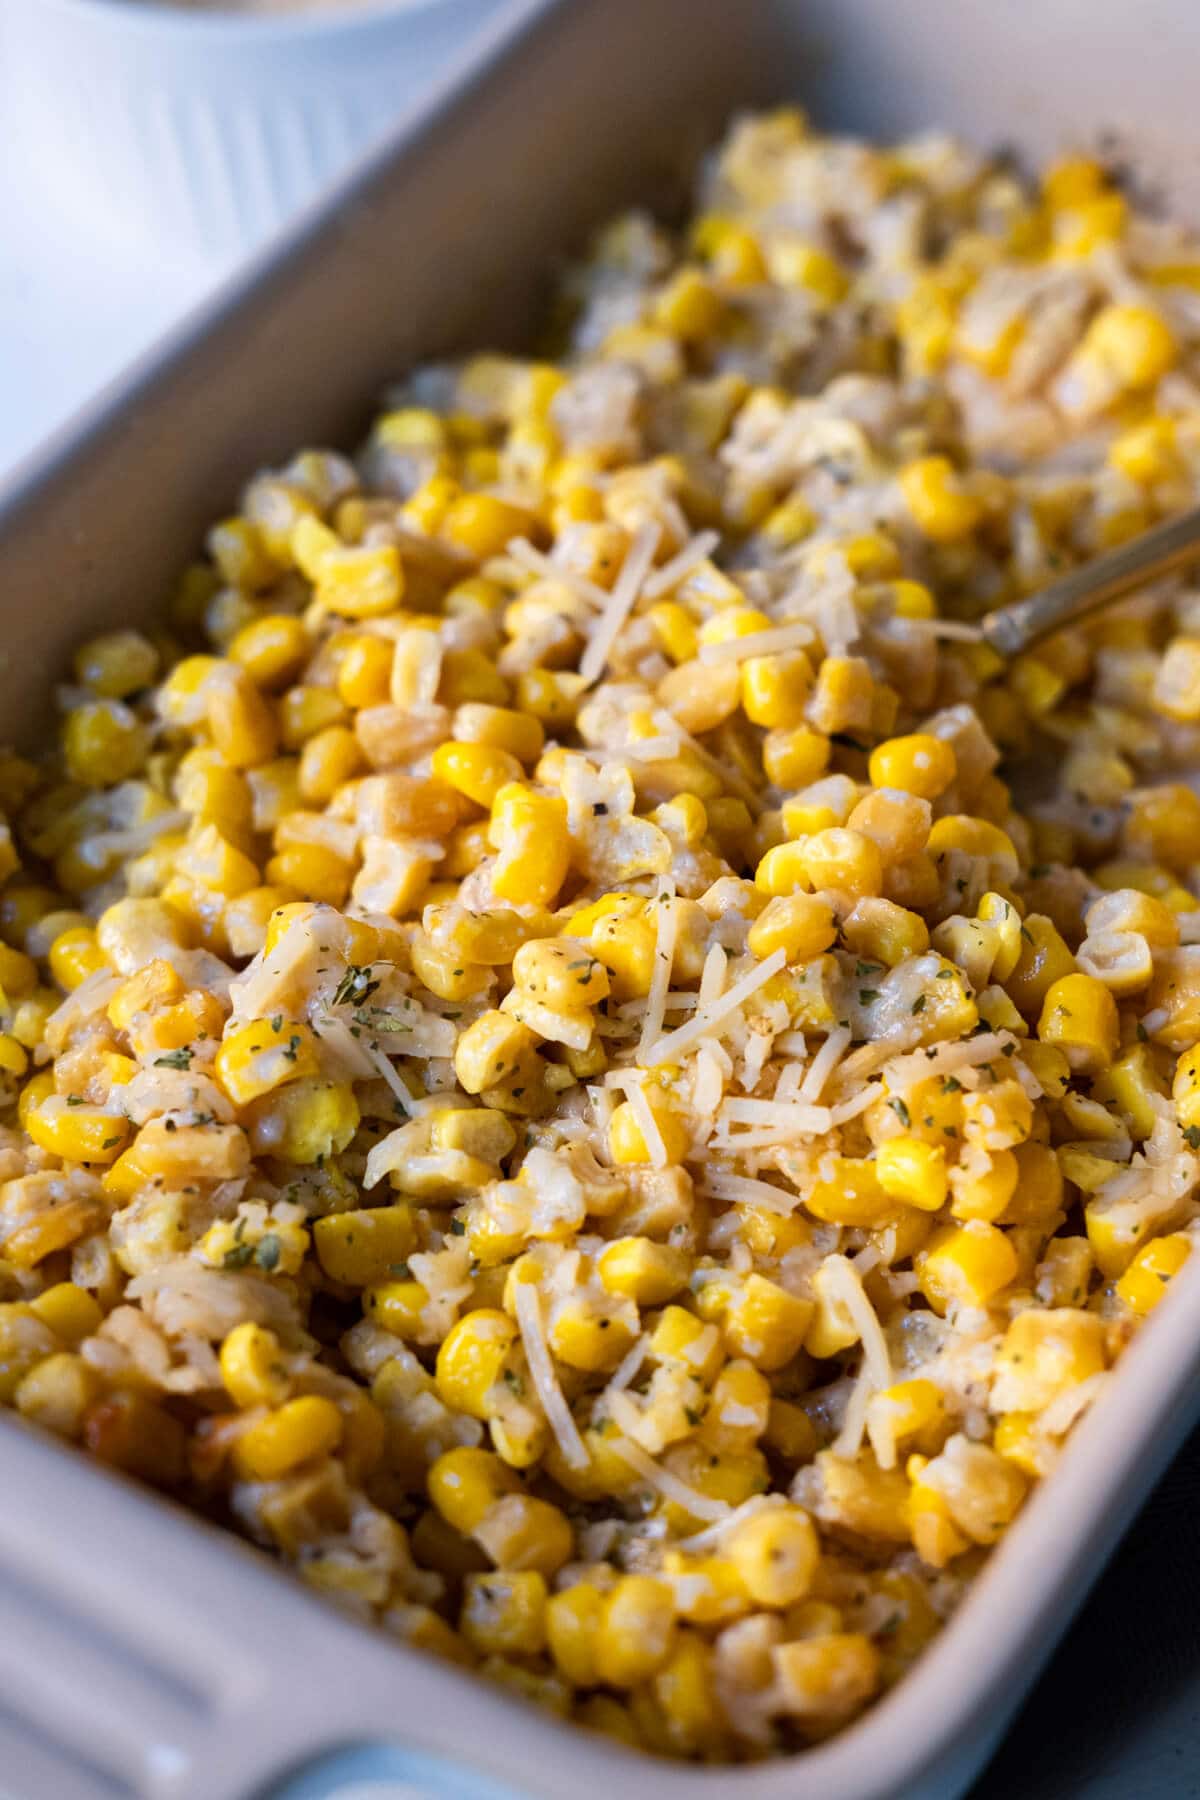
[(184, 134)]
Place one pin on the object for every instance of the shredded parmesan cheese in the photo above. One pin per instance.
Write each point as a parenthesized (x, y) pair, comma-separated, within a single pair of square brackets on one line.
[(708, 1018), (824, 1063), (681, 564), (668, 1485), (620, 603), (527, 1302), (845, 1284), (666, 920), (797, 636), (647, 1124)]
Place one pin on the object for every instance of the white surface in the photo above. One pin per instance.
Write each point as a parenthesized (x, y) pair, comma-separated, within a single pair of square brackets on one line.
[(208, 129), (75, 308)]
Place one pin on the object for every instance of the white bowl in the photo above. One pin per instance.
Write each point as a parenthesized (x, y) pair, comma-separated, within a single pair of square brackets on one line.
[(205, 129)]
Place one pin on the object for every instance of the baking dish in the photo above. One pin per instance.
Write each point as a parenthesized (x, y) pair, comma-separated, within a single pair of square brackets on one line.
[(247, 1675)]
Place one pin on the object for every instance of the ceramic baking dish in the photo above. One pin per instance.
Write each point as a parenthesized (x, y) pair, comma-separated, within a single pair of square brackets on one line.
[(141, 1652)]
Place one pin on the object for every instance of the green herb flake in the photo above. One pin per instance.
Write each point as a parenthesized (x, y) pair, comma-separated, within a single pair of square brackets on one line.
[(268, 1251)]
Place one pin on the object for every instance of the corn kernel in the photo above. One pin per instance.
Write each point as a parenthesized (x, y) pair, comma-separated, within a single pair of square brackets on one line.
[(298, 1432)]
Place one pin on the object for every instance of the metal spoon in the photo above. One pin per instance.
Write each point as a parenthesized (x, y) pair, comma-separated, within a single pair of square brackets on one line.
[(1014, 628)]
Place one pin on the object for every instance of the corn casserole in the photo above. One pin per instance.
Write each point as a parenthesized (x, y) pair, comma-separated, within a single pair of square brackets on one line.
[(583, 1062)]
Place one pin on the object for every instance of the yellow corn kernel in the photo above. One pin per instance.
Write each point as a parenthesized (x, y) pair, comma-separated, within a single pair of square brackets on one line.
[(242, 722), (398, 1306), (260, 1056), (272, 650), (523, 1532), (328, 759), (965, 1265), (303, 711), (981, 1186), (1044, 1351), (299, 1431), (1132, 342), (689, 306), (1165, 821), (1079, 1017), (1044, 959), (680, 1337), (775, 689), (505, 1614), (701, 696), (116, 664), (238, 550), (37, 1089), (530, 832), (783, 871), (557, 974), (912, 1171), (471, 1360), (551, 696), (253, 1367), (18, 974), (1145, 1281), (482, 524), (739, 1408), (1018, 1440), (792, 759), (880, 931), (802, 925), (518, 734), (675, 630), (765, 1323), (466, 1483), (939, 505), (624, 941), (103, 742), (898, 1414), (637, 1631), (572, 1628), (789, 523), (826, 1679), (796, 263), (313, 870), (57, 1394), (70, 1311), (357, 582), (304, 1122), (74, 955), (364, 675), (849, 1192), (845, 862), (627, 1144), (919, 764), (76, 1131), (638, 1269), (489, 1050), (363, 1247), (1073, 181), (1147, 453), (776, 1553)]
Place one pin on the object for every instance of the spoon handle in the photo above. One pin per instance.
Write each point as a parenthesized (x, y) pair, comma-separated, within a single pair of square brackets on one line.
[(1167, 547)]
